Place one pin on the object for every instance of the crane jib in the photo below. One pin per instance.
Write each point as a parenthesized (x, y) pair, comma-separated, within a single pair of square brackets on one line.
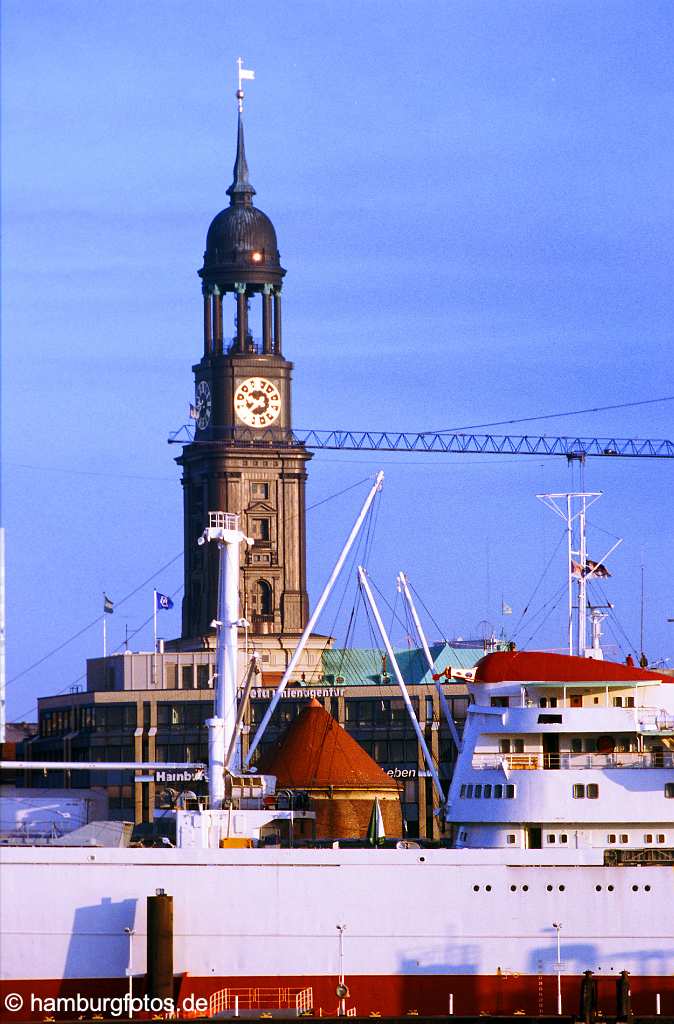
[(447, 443)]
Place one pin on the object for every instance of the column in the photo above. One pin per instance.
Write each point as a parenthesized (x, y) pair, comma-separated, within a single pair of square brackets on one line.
[(266, 320), (208, 323), (217, 318), (241, 317), (277, 321)]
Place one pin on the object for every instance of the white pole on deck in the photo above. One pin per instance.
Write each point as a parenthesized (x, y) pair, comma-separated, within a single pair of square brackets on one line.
[(558, 928), (402, 580), (224, 529), (401, 683), (130, 932), (314, 617)]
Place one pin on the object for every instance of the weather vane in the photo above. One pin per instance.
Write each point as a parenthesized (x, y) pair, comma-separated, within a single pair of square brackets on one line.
[(243, 75)]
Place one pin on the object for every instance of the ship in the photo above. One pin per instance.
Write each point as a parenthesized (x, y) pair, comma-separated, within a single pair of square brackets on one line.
[(560, 870)]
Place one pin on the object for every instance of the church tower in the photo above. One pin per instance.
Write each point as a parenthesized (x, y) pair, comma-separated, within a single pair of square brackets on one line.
[(243, 458)]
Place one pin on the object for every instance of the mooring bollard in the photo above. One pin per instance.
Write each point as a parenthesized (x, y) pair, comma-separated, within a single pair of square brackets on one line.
[(588, 997), (623, 997)]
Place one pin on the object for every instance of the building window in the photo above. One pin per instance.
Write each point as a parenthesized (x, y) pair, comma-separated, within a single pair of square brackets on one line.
[(487, 792), (576, 700), (576, 745), (478, 791), (469, 792), (624, 838), (551, 837), (510, 792), (504, 746), (592, 791), (203, 677), (563, 838), (171, 673), (648, 838), (499, 702), (548, 702), (263, 598), (669, 790), (429, 709), (259, 491), (187, 677), (611, 837), (462, 792), (661, 838), (498, 791), (511, 839), (578, 791), (260, 530)]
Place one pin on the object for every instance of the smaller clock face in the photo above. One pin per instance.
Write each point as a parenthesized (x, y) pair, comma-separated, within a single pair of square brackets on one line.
[(257, 402), (203, 404)]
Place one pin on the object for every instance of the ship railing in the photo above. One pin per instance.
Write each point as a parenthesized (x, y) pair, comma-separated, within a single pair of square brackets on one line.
[(655, 720), (283, 998), (573, 762)]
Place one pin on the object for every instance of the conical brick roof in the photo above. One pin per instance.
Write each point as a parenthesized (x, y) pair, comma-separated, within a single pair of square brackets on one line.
[(315, 752)]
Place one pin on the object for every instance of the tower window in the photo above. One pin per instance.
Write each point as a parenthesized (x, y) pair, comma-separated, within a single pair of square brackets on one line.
[(263, 600), (260, 530), (259, 490)]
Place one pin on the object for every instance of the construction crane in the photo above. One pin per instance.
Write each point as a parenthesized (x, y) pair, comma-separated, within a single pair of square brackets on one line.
[(439, 442)]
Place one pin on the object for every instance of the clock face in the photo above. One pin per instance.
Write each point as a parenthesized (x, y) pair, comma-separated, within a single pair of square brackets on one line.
[(203, 404), (257, 402)]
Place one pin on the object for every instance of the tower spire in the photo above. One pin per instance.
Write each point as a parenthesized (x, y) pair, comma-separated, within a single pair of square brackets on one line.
[(241, 191)]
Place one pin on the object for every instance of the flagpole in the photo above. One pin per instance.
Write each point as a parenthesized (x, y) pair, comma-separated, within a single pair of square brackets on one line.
[(105, 636), (154, 628)]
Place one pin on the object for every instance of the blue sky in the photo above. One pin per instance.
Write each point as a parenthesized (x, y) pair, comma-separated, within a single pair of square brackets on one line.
[(473, 203)]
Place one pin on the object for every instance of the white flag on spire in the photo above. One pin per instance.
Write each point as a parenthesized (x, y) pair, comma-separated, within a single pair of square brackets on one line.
[(243, 73)]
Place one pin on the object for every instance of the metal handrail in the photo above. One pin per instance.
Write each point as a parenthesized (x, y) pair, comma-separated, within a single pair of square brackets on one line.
[(572, 762)]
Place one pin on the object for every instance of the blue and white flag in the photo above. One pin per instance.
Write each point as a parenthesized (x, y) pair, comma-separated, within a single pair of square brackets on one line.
[(164, 602)]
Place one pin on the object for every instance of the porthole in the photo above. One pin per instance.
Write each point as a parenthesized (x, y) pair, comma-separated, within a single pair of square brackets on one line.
[(422, 860), (525, 888), (561, 888), (635, 888), (597, 888), (476, 888), (647, 888), (488, 888), (611, 888), (513, 888), (549, 888)]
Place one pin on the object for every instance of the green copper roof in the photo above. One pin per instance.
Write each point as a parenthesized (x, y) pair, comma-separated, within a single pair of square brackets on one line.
[(364, 666)]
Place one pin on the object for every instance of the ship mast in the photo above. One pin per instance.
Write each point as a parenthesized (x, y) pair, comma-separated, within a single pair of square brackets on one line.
[(224, 529), (572, 508)]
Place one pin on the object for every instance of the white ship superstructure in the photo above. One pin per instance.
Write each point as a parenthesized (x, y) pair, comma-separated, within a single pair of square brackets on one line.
[(579, 761)]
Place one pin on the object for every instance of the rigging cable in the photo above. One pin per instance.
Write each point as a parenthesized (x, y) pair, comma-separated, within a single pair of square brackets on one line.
[(98, 618)]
